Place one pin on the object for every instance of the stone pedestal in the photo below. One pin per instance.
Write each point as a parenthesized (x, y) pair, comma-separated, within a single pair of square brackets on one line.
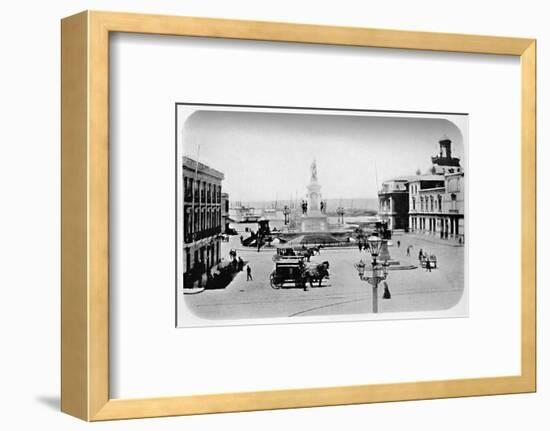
[(314, 222), (313, 197)]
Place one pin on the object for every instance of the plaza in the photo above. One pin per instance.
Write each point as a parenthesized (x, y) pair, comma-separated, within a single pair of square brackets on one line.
[(269, 251), (343, 293)]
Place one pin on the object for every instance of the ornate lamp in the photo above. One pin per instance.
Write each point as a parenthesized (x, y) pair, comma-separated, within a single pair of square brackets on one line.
[(379, 272), (286, 212), (374, 243)]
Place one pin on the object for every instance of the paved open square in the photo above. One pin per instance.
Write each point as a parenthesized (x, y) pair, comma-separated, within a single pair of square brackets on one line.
[(344, 292), (282, 213)]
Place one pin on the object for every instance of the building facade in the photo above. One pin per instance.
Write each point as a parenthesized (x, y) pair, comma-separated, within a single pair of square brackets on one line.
[(439, 210), (202, 219), (425, 201), (453, 206), (225, 212), (393, 203), (435, 200)]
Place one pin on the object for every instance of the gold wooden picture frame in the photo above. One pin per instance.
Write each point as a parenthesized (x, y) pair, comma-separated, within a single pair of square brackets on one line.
[(85, 216)]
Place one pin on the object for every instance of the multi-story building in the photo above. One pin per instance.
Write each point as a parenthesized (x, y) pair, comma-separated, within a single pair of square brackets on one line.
[(202, 218), (439, 210), (453, 206), (435, 201), (393, 203), (425, 200)]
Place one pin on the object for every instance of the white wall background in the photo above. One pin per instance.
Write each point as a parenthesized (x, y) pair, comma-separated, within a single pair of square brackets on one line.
[(29, 220)]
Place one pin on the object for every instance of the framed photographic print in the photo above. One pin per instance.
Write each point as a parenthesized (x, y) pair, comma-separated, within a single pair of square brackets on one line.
[(303, 243), (264, 215)]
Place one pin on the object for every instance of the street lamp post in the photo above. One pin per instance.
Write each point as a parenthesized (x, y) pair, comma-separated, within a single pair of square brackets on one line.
[(340, 211), (379, 272), (286, 212)]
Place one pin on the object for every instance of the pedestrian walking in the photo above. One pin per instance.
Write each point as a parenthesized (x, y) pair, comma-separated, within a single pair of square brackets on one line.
[(420, 255), (248, 273), (398, 244), (409, 250), (428, 265), (387, 294), (240, 263)]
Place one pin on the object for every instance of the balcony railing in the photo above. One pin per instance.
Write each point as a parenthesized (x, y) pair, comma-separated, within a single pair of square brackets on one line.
[(205, 233)]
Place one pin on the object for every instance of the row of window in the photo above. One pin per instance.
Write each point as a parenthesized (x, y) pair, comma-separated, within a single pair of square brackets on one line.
[(452, 185), (432, 224), (393, 187), (203, 219), (202, 190), (429, 203)]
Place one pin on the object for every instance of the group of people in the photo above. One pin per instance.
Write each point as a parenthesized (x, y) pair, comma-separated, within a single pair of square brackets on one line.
[(362, 245), (428, 261), (238, 264)]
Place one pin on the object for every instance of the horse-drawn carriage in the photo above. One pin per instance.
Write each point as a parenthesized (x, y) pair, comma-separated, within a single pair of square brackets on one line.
[(287, 270), (428, 261), (293, 269), (285, 253), (292, 253)]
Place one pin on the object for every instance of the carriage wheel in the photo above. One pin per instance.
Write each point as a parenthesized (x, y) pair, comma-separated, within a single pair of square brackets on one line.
[(273, 283)]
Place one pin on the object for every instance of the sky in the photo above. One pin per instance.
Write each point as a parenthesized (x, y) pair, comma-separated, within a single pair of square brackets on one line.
[(267, 155)]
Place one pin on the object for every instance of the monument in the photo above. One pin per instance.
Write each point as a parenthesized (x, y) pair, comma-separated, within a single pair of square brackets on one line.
[(313, 217)]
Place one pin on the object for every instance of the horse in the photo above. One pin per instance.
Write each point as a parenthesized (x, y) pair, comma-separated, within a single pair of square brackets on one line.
[(315, 250), (307, 253), (315, 272)]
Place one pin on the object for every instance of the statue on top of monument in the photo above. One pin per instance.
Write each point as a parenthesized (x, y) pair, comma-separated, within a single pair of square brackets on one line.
[(314, 171)]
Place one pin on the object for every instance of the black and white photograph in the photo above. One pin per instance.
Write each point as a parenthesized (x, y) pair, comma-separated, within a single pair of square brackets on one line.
[(288, 215)]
